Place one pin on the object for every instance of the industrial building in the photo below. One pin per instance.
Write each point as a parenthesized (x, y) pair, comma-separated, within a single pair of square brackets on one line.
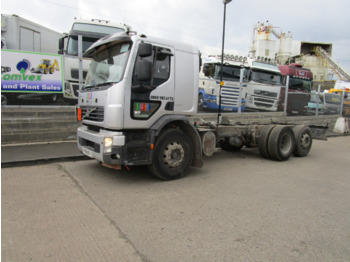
[(271, 42)]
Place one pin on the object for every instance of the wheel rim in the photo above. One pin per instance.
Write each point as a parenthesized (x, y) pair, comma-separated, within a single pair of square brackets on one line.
[(286, 143), (173, 154), (305, 141)]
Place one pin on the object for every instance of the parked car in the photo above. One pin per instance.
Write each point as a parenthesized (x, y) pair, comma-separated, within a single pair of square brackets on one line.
[(315, 99)]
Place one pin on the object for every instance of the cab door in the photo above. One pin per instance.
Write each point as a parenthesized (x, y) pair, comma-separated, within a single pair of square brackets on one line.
[(151, 97)]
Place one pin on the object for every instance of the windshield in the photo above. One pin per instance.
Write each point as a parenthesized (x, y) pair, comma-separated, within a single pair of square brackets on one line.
[(230, 73), (265, 77), (300, 84), (72, 48), (108, 65)]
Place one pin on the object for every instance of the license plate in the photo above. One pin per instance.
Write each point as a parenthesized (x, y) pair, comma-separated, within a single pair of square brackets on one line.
[(88, 152)]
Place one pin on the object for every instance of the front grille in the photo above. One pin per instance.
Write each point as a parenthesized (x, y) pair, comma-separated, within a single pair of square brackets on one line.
[(265, 93), (92, 113), (229, 96), (263, 105), (258, 99)]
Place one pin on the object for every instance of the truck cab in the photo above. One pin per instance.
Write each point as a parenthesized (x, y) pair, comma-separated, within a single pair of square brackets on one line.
[(299, 88), (263, 85), (209, 84), (91, 31), (140, 88)]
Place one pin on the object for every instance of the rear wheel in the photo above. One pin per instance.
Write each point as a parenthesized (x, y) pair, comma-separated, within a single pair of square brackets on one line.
[(173, 154), (303, 140), (264, 140), (281, 143)]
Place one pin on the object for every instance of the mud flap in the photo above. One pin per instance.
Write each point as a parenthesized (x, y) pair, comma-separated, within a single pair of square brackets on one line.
[(319, 132)]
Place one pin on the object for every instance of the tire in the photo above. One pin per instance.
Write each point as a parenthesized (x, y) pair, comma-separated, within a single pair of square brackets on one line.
[(172, 156), (264, 140), (303, 140), (281, 143)]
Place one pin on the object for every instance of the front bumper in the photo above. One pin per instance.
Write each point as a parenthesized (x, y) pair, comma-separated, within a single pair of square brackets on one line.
[(128, 148), (92, 144)]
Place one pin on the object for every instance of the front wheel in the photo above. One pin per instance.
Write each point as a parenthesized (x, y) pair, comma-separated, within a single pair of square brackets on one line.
[(172, 156)]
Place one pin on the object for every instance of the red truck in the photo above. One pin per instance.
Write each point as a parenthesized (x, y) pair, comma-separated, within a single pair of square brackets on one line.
[(299, 88)]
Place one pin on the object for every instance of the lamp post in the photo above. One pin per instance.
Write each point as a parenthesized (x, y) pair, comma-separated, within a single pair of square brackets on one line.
[(222, 58)]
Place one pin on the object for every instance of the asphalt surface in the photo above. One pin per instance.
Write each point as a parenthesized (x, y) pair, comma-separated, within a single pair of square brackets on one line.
[(238, 207)]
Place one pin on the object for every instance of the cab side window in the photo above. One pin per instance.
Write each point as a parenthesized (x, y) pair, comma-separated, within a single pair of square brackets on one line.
[(160, 60)]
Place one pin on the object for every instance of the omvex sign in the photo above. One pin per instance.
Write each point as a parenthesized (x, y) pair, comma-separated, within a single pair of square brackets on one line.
[(19, 77), (31, 72)]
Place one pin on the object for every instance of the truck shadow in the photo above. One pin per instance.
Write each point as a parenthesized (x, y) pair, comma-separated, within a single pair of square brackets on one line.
[(142, 175)]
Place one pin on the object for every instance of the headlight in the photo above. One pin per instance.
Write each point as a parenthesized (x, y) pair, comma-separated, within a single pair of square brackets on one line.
[(108, 142), (67, 89)]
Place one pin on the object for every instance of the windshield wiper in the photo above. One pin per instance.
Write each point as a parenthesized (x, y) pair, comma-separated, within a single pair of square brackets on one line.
[(99, 85), (104, 84)]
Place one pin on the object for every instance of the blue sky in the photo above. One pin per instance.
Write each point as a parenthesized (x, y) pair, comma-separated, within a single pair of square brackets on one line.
[(199, 22)]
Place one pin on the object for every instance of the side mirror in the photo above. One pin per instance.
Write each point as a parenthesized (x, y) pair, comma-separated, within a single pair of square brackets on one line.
[(144, 70), (145, 50), (207, 71), (61, 46)]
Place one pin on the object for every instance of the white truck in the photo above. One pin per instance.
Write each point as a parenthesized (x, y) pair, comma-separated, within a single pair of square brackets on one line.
[(90, 31), (232, 96), (23, 41), (139, 107), (18, 33), (264, 82)]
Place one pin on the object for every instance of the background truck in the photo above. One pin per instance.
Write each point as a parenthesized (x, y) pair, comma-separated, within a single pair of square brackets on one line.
[(18, 33), (264, 82), (90, 31), (299, 88), (260, 88), (139, 107), (209, 84), (25, 36)]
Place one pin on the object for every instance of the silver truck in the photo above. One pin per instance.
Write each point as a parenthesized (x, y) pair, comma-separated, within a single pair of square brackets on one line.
[(139, 107)]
